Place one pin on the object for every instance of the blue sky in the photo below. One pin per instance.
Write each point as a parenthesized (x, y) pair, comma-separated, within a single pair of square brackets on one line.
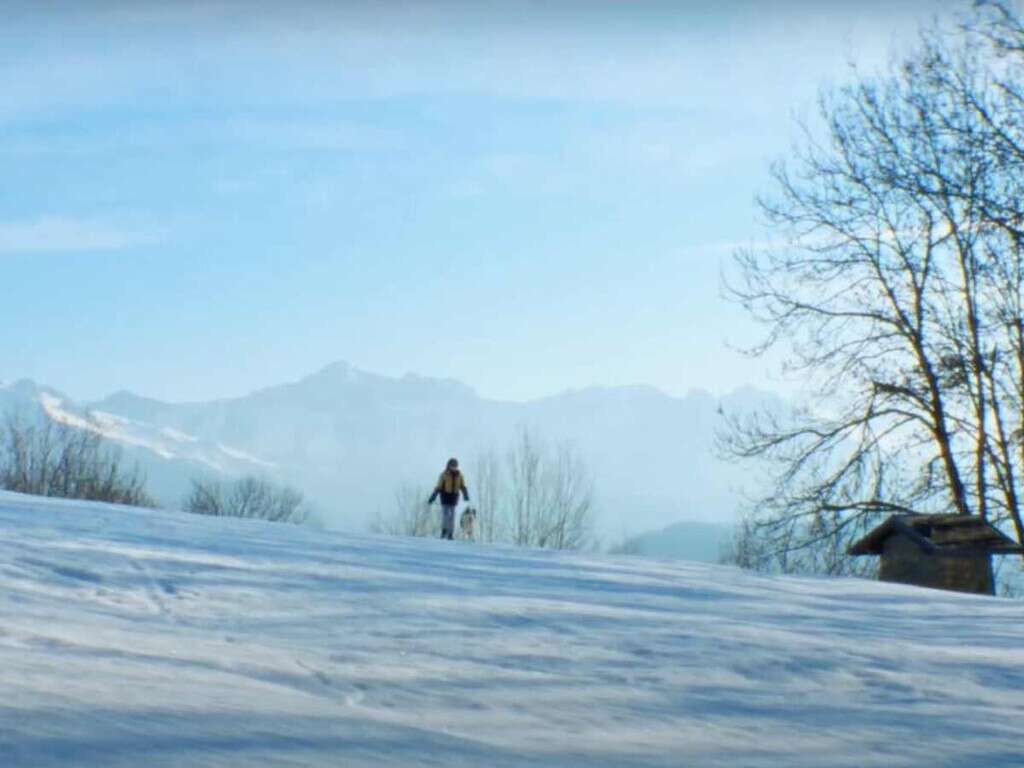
[(200, 199)]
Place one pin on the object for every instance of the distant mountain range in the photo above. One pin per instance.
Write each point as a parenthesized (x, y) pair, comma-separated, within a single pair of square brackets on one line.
[(348, 438), (686, 540)]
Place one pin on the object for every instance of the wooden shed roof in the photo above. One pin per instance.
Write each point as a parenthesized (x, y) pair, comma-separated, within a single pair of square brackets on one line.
[(940, 534)]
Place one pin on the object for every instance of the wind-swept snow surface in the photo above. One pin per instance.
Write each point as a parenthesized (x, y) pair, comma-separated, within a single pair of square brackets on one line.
[(136, 638)]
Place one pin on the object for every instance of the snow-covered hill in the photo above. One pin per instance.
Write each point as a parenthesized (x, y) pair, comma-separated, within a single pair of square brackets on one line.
[(133, 638), (349, 438)]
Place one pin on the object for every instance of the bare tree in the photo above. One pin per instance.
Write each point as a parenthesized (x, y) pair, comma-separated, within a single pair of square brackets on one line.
[(565, 522), (526, 489), (627, 545), (488, 490), (542, 498), (550, 495), (45, 458), (249, 497), (411, 515), (898, 289)]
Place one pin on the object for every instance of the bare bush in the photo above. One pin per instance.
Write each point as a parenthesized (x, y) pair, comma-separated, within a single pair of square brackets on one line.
[(250, 497), (45, 458)]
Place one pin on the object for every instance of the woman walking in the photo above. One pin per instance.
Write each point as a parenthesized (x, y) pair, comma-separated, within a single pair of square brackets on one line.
[(448, 487)]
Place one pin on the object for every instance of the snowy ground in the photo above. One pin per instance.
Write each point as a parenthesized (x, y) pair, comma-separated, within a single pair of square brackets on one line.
[(132, 638)]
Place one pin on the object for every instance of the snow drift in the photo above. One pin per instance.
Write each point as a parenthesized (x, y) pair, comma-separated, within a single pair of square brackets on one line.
[(132, 637)]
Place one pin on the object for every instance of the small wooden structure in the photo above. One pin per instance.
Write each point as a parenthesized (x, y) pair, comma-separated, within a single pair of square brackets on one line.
[(951, 552)]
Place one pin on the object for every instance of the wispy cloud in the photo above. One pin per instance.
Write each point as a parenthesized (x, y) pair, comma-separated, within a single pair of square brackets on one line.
[(301, 133), (58, 234), (117, 55)]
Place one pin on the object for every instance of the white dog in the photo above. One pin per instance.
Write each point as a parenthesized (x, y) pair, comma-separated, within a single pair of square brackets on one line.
[(467, 522)]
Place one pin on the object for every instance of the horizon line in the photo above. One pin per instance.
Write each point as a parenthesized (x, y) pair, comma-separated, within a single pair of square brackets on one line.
[(691, 392)]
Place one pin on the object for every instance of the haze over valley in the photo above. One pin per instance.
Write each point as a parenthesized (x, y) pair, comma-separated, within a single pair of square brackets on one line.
[(348, 439)]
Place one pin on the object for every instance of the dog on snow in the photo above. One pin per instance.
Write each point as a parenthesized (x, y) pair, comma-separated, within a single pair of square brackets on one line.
[(467, 522)]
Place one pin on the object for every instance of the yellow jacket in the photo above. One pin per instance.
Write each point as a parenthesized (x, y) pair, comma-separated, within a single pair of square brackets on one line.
[(449, 486)]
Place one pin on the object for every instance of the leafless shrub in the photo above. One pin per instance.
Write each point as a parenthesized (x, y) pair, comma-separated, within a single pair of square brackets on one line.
[(248, 497)]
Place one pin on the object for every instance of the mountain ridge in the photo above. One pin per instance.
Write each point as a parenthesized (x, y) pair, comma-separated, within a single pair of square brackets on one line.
[(341, 371), (349, 438)]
